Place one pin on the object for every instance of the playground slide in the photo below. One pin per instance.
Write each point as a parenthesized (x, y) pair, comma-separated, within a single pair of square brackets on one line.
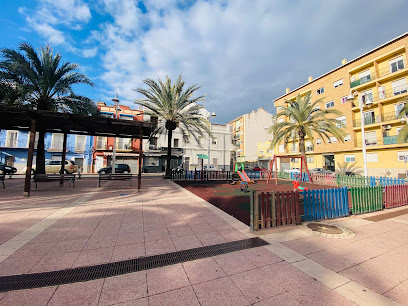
[(246, 176)]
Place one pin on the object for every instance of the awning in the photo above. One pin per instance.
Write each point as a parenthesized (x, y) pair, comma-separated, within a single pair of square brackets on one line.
[(122, 154), (202, 156)]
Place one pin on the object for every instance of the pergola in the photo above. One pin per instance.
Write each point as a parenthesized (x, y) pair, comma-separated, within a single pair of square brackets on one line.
[(53, 122)]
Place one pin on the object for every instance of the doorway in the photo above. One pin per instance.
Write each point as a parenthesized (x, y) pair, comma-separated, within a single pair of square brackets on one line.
[(329, 162)]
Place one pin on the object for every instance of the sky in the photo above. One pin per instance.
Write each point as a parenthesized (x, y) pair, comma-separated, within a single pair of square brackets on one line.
[(243, 53)]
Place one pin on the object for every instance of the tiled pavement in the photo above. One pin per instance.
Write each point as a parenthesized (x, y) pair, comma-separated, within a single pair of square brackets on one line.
[(59, 228)]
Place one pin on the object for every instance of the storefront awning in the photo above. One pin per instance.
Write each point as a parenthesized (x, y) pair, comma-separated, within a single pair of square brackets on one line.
[(122, 154), (202, 156)]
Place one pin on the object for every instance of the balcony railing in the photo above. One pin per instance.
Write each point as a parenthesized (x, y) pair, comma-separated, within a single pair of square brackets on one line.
[(388, 70), (367, 121), (363, 80), (389, 116), (377, 96), (387, 140)]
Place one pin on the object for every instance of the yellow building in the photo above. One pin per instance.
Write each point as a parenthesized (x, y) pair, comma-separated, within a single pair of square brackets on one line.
[(378, 79)]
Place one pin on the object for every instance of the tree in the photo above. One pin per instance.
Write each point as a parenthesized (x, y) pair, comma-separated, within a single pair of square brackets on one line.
[(403, 113), (174, 108), (40, 81), (305, 119)]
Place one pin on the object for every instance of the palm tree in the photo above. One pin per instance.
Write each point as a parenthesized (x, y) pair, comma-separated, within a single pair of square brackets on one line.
[(403, 133), (174, 108), (40, 81), (305, 119)]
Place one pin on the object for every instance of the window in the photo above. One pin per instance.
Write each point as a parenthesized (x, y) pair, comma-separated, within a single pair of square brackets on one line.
[(309, 146), (369, 117), (80, 143), (57, 141), (372, 157), (214, 141), (151, 161), (176, 143), (269, 151), (35, 141), (399, 87), (344, 99), (330, 104), (342, 120), (260, 152), (309, 159), (199, 140), (293, 160), (125, 117), (403, 156), (319, 91), (370, 138), (101, 142), (281, 148), (398, 107), (294, 147), (107, 115), (338, 83), (347, 137), (396, 64), (332, 139), (318, 141), (348, 158), (279, 108), (12, 139), (364, 76), (123, 143)]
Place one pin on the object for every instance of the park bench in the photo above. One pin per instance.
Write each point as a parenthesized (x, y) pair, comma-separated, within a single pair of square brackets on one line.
[(54, 177), (2, 176), (114, 177)]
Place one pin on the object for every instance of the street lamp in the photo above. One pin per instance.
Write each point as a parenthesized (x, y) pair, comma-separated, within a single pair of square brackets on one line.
[(116, 102), (351, 98), (212, 114)]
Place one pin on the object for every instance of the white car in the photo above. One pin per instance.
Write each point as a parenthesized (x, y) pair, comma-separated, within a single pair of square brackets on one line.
[(292, 170)]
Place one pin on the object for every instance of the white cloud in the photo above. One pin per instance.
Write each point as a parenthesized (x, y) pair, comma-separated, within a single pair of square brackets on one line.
[(54, 37), (89, 52)]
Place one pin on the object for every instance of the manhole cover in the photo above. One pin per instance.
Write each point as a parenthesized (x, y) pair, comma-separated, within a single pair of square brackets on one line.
[(324, 228)]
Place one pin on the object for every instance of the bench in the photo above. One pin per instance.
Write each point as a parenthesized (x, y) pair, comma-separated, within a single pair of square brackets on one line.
[(54, 177), (2, 176), (114, 177)]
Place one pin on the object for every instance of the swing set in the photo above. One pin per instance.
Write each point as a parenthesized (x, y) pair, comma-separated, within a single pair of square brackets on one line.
[(274, 170)]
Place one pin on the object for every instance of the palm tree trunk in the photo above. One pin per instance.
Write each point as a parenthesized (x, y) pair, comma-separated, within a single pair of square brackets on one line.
[(169, 138), (40, 159), (302, 151)]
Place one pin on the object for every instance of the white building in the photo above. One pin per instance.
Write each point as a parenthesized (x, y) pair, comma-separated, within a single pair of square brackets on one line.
[(215, 151)]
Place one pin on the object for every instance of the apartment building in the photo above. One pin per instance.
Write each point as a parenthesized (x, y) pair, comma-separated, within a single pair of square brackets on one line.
[(378, 81), (247, 131), (127, 149), (215, 151)]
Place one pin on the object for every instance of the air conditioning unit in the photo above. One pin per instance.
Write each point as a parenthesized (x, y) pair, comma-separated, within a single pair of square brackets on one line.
[(387, 127)]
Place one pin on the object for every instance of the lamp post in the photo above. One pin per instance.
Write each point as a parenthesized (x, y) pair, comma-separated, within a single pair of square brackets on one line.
[(351, 98), (116, 102), (212, 114)]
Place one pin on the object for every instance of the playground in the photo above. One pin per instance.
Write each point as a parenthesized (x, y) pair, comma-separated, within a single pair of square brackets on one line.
[(232, 200)]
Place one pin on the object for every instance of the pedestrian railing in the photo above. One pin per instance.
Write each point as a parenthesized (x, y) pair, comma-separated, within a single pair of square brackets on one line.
[(395, 196), (325, 203), (366, 199), (271, 209)]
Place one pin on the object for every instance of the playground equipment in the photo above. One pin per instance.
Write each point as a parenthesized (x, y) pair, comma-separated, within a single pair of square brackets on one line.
[(243, 177), (274, 162), (297, 187), (243, 186)]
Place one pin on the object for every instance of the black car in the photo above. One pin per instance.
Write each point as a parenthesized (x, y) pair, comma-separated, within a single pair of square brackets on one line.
[(7, 169), (119, 168)]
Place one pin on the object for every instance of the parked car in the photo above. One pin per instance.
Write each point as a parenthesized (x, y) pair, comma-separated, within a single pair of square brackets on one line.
[(209, 168), (259, 168), (321, 170), (119, 168), (9, 170), (54, 166), (292, 170)]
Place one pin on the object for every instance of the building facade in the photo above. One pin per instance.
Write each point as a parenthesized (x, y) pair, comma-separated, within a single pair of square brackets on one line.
[(247, 131), (14, 149), (127, 149), (215, 151), (378, 80)]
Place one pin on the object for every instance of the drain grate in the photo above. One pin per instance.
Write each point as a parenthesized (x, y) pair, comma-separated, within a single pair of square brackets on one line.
[(37, 280)]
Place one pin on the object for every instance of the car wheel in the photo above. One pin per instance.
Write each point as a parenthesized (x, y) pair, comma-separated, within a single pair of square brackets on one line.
[(125, 172)]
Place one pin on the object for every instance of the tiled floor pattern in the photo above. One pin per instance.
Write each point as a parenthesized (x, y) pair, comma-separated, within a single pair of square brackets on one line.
[(160, 219)]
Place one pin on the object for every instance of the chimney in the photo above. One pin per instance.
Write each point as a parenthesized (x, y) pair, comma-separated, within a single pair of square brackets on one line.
[(344, 61), (287, 90), (310, 78)]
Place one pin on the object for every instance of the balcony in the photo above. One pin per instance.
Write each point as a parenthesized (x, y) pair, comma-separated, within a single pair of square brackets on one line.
[(382, 95), (367, 121), (363, 80), (392, 69), (389, 116), (387, 140)]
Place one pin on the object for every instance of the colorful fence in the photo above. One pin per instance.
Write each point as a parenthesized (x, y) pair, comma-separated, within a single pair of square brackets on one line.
[(366, 199), (395, 196), (270, 209), (325, 203), (324, 179)]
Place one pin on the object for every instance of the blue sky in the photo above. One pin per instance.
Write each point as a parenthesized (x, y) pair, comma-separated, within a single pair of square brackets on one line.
[(243, 53)]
